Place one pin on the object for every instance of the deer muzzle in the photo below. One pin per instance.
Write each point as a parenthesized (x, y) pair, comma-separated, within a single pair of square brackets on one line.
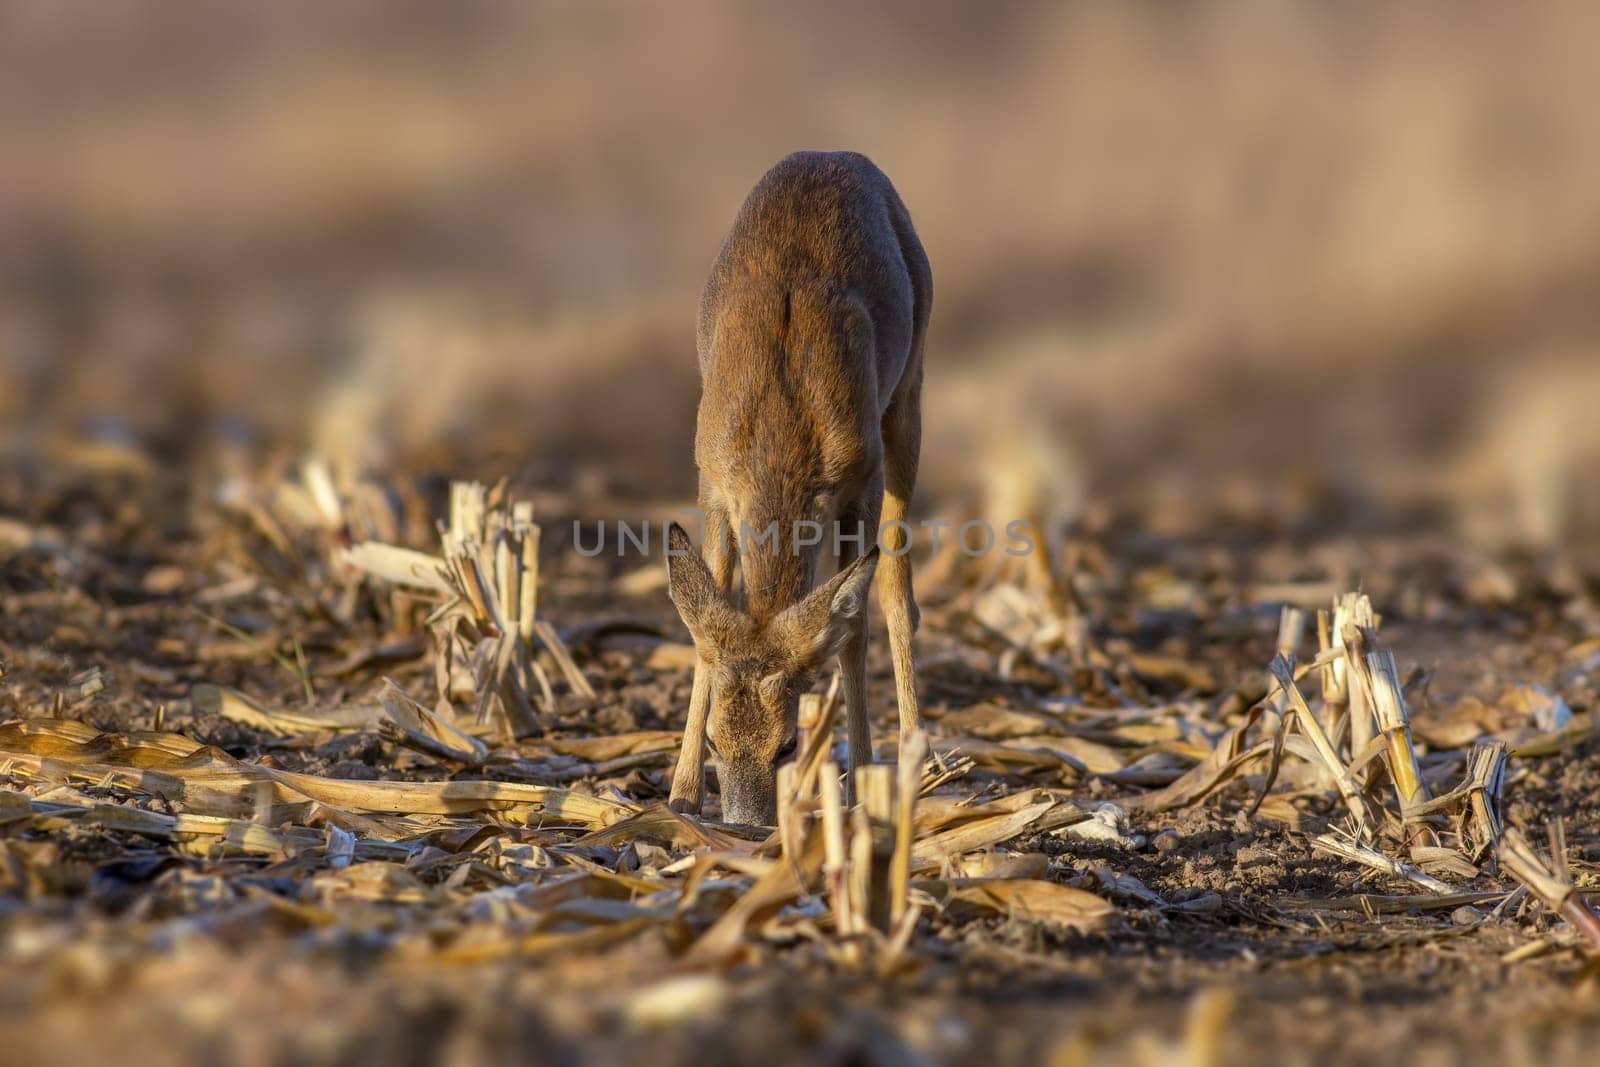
[(749, 792)]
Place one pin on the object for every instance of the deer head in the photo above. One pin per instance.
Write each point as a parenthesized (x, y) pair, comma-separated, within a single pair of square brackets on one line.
[(759, 668)]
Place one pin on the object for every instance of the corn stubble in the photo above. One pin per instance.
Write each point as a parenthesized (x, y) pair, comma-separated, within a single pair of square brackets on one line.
[(497, 830), (857, 881)]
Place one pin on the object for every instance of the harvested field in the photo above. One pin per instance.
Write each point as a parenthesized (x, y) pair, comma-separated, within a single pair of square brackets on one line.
[(225, 829), (329, 345)]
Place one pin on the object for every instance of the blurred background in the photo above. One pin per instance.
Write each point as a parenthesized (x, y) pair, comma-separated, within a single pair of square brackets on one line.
[(1265, 260)]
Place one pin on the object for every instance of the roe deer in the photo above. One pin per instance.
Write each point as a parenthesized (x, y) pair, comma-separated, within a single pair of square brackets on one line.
[(810, 339)]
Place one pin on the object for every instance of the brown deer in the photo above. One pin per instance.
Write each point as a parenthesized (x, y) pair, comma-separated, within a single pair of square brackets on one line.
[(810, 339)]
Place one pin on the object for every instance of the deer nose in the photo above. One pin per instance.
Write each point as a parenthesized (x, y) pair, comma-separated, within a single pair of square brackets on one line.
[(749, 794), (752, 815)]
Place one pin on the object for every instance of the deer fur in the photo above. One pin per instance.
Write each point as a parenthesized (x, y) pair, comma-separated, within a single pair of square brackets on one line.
[(810, 339)]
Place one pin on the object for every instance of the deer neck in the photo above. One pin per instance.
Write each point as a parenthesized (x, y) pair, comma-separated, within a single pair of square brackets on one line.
[(778, 563)]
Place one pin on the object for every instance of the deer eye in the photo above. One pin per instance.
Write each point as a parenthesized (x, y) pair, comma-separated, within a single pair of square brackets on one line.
[(789, 746)]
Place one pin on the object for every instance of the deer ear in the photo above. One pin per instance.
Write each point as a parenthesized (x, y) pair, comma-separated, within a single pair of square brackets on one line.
[(817, 627), (690, 585)]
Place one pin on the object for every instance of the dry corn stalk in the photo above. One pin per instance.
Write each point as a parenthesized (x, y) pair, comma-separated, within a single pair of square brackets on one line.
[(1334, 694), (1551, 883), (1283, 670), (485, 633), (1476, 803), (492, 560), (835, 864), (1352, 614), (1291, 623), (1371, 857), (821, 713), (342, 503), (207, 781), (867, 850), (415, 726), (1486, 772), (908, 785), (1381, 679), (793, 815), (872, 842)]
